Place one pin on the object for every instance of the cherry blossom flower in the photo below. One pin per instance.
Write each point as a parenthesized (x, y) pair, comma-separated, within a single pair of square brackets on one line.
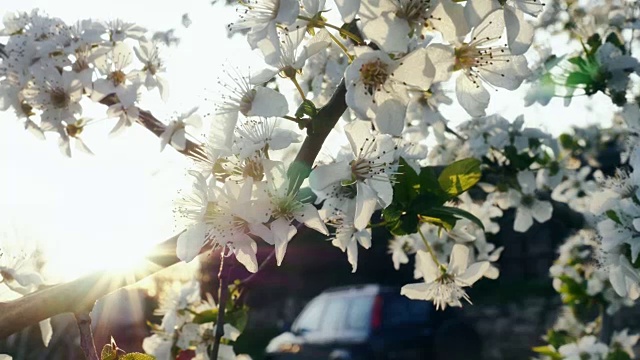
[(587, 346), (56, 93), (125, 110), (443, 285), (119, 30), (149, 56), (286, 207), (240, 96), (378, 86), (261, 18), (392, 24), (347, 236), (519, 31), (223, 215), (259, 134), (292, 56), (483, 60), (399, 247), (369, 168), (113, 68), (175, 132), (528, 207)]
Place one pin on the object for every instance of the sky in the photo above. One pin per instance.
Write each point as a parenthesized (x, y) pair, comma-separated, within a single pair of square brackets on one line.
[(90, 212)]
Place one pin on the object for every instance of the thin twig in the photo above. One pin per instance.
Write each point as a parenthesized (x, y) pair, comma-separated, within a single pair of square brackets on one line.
[(223, 288), (86, 336)]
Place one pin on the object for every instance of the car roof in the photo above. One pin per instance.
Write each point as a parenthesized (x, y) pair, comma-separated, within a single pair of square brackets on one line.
[(360, 289)]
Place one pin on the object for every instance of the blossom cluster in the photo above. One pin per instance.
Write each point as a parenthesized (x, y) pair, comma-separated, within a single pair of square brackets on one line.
[(49, 67), (188, 325)]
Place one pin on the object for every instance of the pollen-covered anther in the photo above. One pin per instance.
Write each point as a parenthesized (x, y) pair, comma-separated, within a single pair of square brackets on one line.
[(117, 77), (74, 130), (374, 74), (59, 98)]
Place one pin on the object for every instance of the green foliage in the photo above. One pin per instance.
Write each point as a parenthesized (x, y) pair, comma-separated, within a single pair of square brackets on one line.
[(421, 197), (547, 350), (112, 352), (306, 108), (460, 176)]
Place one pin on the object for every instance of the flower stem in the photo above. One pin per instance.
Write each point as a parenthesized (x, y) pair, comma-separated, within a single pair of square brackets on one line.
[(321, 23), (342, 47), (295, 82), (222, 303), (86, 336), (429, 248)]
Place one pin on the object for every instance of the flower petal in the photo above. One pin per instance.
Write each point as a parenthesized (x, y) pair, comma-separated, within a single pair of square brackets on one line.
[(190, 242)]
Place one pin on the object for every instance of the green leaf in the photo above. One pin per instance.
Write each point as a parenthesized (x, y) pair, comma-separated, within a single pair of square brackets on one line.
[(611, 214), (429, 185), (307, 108), (407, 184), (137, 356), (297, 172), (206, 316), (577, 78), (108, 353), (460, 176), (447, 212), (547, 350), (238, 318)]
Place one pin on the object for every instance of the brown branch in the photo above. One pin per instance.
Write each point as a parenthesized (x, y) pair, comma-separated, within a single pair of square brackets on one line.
[(86, 336), (77, 295), (82, 293), (223, 290)]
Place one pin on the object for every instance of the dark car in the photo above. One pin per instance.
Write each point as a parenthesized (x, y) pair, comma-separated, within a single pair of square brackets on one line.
[(374, 322)]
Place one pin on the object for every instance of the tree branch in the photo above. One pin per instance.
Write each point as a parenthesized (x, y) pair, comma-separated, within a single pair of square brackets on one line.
[(86, 336), (77, 295)]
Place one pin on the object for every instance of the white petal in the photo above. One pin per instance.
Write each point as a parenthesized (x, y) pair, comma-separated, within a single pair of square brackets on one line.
[(415, 291), (263, 76), (527, 181), (519, 31), (389, 32), (442, 57), (390, 117), (617, 280), (415, 69), (523, 220), (426, 265), (448, 18), (262, 231), (283, 231), (366, 201), (221, 132), (348, 9), (541, 211), (473, 273), (352, 254), (491, 26), (476, 10), (325, 175), (190, 242), (245, 250), (459, 259), (46, 330), (358, 131), (288, 11), (473, 97), (310, 217), (268, 102)]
